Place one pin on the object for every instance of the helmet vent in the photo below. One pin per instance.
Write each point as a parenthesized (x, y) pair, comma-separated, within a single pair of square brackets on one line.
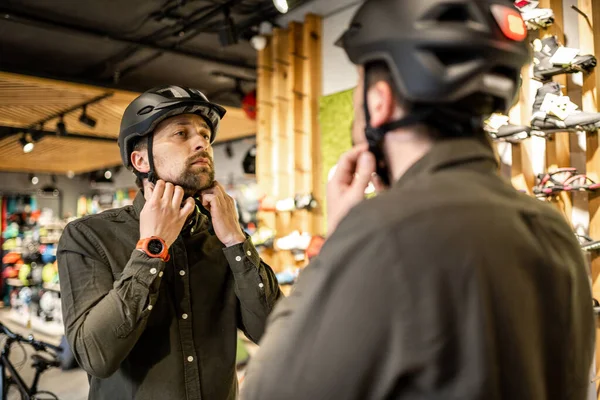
[(451, 57), (450, 12), (145, 110)]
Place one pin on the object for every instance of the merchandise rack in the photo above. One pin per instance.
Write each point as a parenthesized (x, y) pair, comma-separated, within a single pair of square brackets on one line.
[(559, 149), (288, 136)]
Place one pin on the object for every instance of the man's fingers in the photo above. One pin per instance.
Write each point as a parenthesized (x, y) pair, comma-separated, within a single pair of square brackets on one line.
[(148, 190), (188, 207), (208, 200), (364, 171), (159, 189), (346, 166), (177, 196), (377, 183), (167, 196)]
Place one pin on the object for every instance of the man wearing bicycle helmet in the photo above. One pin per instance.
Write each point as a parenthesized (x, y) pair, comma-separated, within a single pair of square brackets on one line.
[(450, 284), (153, 294)]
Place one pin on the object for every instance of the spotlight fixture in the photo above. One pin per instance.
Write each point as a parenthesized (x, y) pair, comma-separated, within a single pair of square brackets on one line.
[(70, 174), (61, 129), (27, 145), (34, 179), (85, 119), (259, 42), (281, 6), (107, 174)]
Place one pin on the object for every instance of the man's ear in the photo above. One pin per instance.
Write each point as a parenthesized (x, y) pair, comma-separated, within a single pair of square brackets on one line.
[(381, 103), (139, 160)]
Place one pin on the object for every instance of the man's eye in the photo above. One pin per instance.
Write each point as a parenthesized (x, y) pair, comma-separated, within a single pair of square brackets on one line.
[(179, 133), (207, 137)]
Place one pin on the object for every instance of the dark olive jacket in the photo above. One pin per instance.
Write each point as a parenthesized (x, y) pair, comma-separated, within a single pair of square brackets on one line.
[(451, 285), (149, 330)]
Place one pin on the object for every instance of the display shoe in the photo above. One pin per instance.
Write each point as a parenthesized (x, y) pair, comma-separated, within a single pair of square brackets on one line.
[(550, 58), (534, 17), (588, 244), (498, 128), (267, 203), (263, 237), (306, 202), (294, 241), (285, 205), (288, 276), (553, 112)]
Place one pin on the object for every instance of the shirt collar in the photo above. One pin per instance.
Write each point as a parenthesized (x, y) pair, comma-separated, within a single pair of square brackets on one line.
[(451, 153)]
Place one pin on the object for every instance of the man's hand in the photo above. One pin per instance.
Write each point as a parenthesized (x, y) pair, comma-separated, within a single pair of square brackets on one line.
[(163, 214), (354, 171), (224, 215)]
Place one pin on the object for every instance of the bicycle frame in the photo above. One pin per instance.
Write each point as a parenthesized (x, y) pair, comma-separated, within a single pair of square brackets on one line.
[(14, 378), (6, 381)]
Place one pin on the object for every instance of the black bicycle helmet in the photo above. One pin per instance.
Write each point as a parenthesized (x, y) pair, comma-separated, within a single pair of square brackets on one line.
[(452, 61), (155, 105)]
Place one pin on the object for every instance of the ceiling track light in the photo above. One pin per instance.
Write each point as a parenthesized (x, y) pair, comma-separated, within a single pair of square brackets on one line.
[(28, 145), (227, 33), (85, 119), (61, 129), (281, 6)]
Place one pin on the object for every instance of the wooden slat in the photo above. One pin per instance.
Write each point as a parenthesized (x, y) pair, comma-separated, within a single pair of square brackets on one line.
[(25, 100), (312, 37), (280, 76), (264, 143), (589, 43)]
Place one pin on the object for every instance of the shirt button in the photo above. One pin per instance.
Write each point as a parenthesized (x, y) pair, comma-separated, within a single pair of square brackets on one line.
[(182, 272), (153, 271), (184, 316), (190, 358), (261, 285), (192, 230), (249, 253), (160, 274), (238, 258), (150, 307)]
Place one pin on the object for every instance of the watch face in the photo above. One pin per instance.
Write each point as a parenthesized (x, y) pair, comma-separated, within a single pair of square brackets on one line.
[(155, 247)]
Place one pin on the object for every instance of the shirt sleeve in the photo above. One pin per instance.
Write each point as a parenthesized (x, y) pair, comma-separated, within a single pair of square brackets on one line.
[(104, 315), (332, 337), (256, 288)]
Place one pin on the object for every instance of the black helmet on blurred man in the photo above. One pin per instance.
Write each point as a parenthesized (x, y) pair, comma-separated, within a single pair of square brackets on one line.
[(451, 62), (155, 105)]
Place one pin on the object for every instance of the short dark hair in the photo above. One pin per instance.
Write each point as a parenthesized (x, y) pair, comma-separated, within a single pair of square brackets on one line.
[(379, 71)]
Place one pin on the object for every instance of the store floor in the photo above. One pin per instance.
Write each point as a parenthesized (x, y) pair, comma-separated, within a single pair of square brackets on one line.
[(67, 385)]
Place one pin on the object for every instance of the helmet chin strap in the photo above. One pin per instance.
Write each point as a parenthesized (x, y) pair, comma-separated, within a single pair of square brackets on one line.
[(150, 175), (375, 136)]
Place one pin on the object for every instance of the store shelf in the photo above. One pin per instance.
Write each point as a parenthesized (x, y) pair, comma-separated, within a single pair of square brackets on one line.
[(15, 282), (36, 323), (55, 287)]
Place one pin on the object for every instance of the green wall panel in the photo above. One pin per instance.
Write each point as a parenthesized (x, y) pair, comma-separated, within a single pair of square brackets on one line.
[(335, 116)]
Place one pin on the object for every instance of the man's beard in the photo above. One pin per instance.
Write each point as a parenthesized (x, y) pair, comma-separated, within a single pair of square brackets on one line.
[(194, 179)]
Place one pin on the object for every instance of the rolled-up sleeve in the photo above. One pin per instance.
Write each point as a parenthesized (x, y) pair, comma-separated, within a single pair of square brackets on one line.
[(103, 316)]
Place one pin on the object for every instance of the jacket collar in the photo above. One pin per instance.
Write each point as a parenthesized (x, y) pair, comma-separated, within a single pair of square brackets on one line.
[(196, 220), (452, 153)]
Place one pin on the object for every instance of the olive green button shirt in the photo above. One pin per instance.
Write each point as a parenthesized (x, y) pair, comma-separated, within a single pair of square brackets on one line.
[(451, 285), (145, 329)]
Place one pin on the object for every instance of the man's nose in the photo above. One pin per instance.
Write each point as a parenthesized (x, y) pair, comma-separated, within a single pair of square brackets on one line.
[(200, 142)]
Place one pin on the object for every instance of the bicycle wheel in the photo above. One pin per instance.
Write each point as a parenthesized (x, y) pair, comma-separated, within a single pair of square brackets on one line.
[(43, 395), (14, 393)]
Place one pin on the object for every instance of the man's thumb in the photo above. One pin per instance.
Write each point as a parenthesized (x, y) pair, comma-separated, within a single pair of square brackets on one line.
[(364, 170)]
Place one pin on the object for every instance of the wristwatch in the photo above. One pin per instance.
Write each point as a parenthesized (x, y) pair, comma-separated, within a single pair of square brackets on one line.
[(154, 247)]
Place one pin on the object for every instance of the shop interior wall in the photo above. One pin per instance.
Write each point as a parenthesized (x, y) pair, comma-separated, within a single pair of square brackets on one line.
[(226, 170)]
